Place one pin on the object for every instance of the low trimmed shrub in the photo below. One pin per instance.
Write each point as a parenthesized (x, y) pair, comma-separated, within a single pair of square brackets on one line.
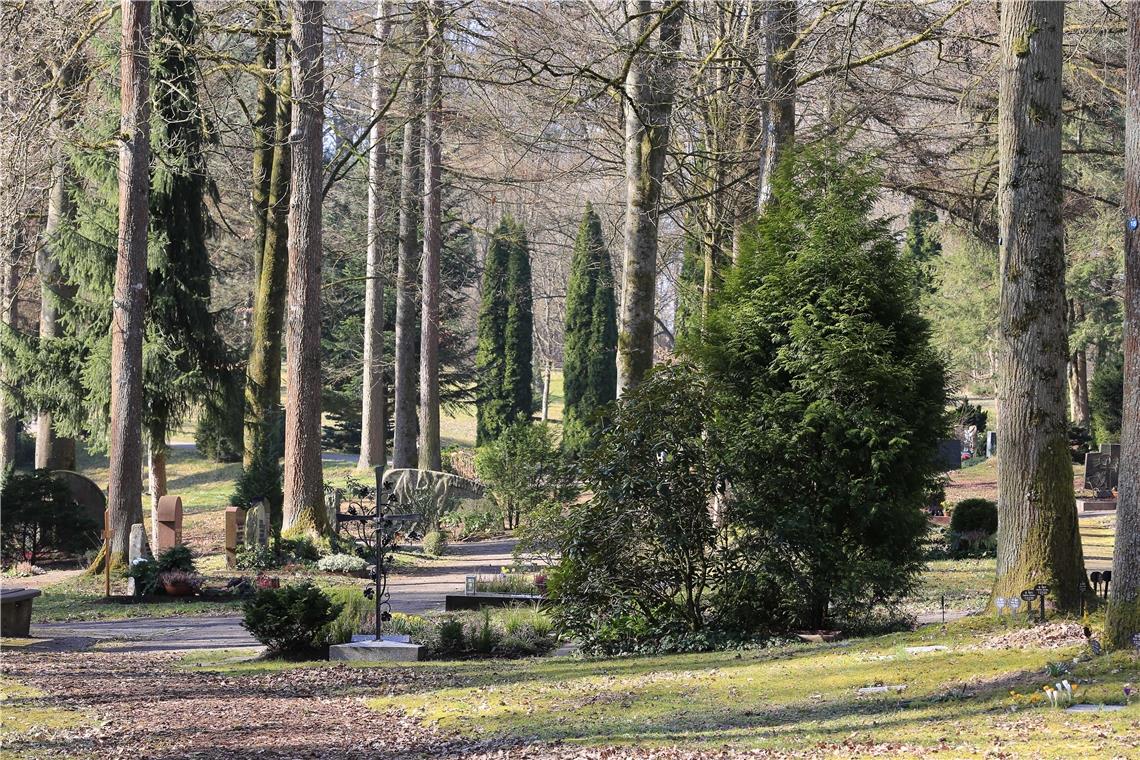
[(341, 563), (290, 621), (299, 550), (255, 558), (974, 515), (435, 543)]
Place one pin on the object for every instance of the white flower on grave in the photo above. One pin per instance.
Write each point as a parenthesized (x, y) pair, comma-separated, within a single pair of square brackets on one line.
[(140, 561)]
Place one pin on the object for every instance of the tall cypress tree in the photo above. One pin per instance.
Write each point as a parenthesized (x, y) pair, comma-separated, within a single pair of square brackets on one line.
[(518, 372), (491, 409), (590, 343), (505, 351)]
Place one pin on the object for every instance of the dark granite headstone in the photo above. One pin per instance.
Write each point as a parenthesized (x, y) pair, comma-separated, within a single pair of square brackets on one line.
[(949, 455), (1098, 473), (1112, 450), (991, 443), (89, 496)]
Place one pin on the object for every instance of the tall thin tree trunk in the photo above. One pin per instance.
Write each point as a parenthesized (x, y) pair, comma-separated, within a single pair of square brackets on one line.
[(1038, 541), (648, 101), (52, 451), (1124, 610), (124, 489), (9, 287), (404, 452), (430, 455), (263, 378), (374, 413), (546, 375), (782, 23), (264, 134), (303, 486)]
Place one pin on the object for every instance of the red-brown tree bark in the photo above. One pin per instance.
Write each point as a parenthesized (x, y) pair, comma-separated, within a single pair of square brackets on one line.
[(303, 484), (124, 488)]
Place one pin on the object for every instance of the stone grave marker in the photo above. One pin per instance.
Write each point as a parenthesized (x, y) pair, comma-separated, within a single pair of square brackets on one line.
[(168, 523), (257, 524), (949, 456), (991, 443), (136, 549), (235, 534), (1098, 476), (1112, 450), (87, 494)]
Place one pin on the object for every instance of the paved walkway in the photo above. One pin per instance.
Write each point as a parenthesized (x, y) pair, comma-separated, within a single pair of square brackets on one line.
[(417, 590)]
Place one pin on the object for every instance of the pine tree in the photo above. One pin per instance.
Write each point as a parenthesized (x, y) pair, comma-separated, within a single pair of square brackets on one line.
[(491, 411), (518, 370), (590, 343)]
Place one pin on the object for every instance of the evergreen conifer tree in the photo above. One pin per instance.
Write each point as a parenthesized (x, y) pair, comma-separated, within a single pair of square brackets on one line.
[(518, 371), (491, 410), (922, 246), (590, 343), (505, 350)]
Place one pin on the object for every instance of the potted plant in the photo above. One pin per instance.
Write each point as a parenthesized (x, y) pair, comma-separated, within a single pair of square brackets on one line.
[(180, 582)]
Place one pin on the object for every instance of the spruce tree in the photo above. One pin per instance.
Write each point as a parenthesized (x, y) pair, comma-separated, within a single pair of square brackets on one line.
[(590, 343), (186, 352), (491, 409), (518, 369)]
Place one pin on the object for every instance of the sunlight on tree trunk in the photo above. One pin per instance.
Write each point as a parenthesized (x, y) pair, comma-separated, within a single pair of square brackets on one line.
[(430, 455), (1038, 541), (303, 484), (1124, 608), (124, 487), (374, 412)]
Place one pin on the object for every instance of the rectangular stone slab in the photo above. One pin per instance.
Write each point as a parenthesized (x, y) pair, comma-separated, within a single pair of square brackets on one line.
[(376, 651)]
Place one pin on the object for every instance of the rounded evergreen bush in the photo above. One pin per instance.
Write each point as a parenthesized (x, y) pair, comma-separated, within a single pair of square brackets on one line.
[(974, 516), (290, 621)]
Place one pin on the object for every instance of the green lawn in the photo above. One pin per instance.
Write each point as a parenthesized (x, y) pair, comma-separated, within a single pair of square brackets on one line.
[(792, 698)]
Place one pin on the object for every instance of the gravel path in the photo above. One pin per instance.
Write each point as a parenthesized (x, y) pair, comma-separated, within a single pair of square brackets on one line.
[(418, 590)]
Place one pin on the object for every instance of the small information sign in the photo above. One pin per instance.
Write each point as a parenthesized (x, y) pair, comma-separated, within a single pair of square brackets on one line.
[(1028, 595)]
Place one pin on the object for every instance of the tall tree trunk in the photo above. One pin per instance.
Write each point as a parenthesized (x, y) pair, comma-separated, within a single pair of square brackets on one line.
[(124, 489), (374, 413), (1038, 541), (547, 372), (9, 287), (303, 486), (52, 451), (648, 101), (1124, 610), (263, 378), (264, 134), (404, 452), (430, 455), (782, 24)]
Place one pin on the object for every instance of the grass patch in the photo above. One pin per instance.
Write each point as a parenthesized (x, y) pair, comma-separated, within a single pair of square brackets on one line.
[(20, 715), (785, 699)]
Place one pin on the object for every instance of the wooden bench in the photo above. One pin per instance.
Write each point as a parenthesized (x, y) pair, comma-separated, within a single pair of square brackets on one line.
[(16, 611)]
